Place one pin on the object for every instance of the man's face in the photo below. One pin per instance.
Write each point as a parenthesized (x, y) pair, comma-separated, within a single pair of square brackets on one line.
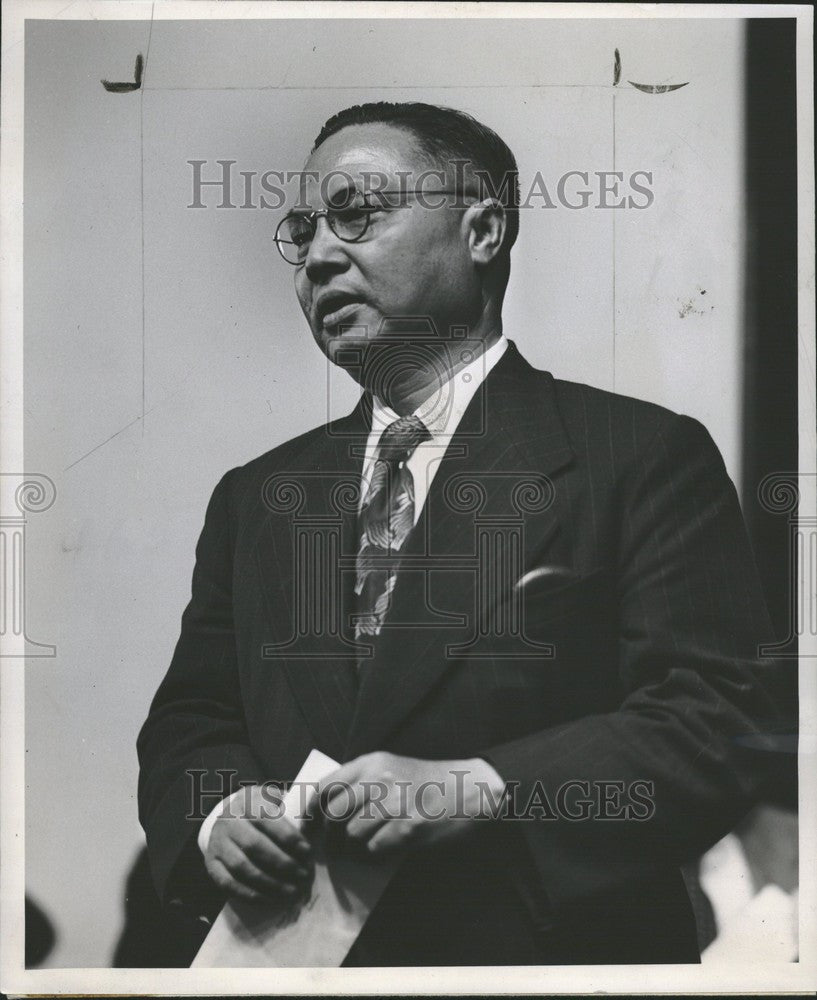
[(412, 261)]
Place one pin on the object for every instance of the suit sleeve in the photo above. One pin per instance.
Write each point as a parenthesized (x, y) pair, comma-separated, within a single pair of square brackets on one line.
[(698, 701), (194, 738)]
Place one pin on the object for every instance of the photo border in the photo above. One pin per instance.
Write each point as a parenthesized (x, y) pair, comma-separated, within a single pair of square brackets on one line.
[(665, 979)]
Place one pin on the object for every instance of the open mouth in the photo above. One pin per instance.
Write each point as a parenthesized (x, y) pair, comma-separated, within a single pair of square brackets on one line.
[(336, 307)]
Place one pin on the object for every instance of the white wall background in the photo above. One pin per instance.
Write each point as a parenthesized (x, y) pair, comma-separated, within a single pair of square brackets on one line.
[(164, 345)]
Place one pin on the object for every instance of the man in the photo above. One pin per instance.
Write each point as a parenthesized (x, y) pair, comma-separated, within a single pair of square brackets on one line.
[(484, 582)]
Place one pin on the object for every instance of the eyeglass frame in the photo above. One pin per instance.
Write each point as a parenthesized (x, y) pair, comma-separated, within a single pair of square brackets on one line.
[(313, 217)]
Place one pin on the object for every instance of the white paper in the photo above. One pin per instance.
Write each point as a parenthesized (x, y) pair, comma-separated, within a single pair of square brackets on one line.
[(304, 934)]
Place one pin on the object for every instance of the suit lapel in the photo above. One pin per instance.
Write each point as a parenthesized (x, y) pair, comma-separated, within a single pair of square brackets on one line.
[(494, 473), (305, 554)]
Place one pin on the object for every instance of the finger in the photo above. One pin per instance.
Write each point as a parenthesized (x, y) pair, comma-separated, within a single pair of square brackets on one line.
[(243, 870), (268, 856), (392, 837), (228, 885), (314, 797), (345, 791), (310, 807), (286, 836), (340, 783), (340, 800), (364, 825), (347, 772), (348, 790), (347, 775)]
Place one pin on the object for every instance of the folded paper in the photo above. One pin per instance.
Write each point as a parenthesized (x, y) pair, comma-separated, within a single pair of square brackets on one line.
[(315, 932)]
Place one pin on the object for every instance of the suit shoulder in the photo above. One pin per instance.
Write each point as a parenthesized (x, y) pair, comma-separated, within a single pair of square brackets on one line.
[(585, 408), (576, 399), (243, 480), (608, 427), (284, 453)]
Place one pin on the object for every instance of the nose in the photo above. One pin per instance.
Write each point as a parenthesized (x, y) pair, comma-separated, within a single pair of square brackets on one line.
[(326, 254)]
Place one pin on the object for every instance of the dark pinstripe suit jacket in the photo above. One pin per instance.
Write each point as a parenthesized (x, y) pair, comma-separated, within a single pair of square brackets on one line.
[(639, 663)]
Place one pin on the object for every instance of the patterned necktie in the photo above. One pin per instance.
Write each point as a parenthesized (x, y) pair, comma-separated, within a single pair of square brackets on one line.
[(386, 518)]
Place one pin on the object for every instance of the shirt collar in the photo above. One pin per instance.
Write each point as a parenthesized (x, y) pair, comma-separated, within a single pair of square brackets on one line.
[(443, 410)]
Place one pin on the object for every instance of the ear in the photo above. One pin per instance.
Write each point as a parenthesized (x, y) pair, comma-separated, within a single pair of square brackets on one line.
[(486, 222)]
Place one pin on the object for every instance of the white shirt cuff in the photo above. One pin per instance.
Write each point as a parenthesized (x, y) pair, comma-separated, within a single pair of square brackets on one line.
[(210, 821)]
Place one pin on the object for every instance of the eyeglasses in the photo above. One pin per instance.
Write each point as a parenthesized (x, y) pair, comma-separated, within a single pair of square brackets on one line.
[(349, 223)]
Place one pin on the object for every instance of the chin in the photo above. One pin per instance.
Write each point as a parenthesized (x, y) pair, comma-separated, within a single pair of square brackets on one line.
[(336, 341), (354, 335), (346, 351)]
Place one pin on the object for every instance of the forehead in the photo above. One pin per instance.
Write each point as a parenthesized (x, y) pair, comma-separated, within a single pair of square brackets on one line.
[(360, 149)]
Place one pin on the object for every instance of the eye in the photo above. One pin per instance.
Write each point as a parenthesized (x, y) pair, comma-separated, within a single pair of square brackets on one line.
[(350, 223), (355, 213), (299, 230)]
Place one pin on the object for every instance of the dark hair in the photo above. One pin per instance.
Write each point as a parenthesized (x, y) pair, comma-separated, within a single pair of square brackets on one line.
[(445, 135)]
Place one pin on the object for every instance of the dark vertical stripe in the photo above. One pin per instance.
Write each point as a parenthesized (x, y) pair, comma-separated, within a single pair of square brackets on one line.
[(770, 386)]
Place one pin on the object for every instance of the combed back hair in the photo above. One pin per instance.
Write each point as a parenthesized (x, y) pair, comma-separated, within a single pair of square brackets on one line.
[(445, 135)]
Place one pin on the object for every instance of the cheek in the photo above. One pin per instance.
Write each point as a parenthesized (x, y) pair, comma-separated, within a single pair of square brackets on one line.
[(302, 291), (410, 272), (440, 275), (443, 257), (415, 267)]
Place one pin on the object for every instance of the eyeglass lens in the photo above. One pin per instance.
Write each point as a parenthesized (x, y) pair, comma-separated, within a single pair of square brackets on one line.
[(296, 232)]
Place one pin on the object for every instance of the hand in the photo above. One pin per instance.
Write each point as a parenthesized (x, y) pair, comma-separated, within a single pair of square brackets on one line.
[(255, 853), (382, 803)]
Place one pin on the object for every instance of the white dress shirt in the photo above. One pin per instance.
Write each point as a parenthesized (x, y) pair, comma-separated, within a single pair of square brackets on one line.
[(441, 413)]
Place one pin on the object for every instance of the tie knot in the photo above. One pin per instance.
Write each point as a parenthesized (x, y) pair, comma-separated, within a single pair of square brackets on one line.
[(400, 438)]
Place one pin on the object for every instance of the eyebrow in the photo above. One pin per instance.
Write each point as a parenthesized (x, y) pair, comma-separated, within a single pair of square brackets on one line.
[(346, 193)]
